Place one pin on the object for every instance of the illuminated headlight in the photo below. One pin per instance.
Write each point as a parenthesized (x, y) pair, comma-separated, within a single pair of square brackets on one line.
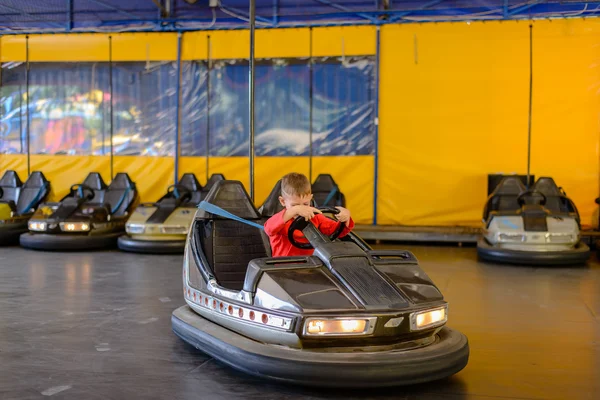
[(134, 229), (511, 237), (37, 226), (338, 326), (74, 226), (174, 230), (429, 318), (561, 238)]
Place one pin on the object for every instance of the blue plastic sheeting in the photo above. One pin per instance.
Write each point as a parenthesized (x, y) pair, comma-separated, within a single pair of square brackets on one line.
[(103, 15), (69, 108)]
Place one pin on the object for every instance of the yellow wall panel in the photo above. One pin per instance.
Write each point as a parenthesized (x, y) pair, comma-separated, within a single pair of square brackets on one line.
[(565, 127), (69, 47), (344, 40), (64, 171), (15, 162), (152, 175), (230, 44), (452, 110), (144, 46), (194, 46), (12, 48), (268, 170), (285, 43), (234, 168)]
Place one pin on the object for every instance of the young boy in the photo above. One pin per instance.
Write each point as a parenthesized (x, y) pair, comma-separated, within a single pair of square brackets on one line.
[(295, 197)]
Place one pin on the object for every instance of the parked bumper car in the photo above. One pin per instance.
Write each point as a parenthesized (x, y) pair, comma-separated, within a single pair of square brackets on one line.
[(348, 316), (162, 227), (18, 202), (540, 226), (91, 216)]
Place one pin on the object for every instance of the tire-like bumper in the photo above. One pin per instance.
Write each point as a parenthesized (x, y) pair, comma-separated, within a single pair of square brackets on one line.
[(9, 235), (66, 242), (441, 359), (127, 243), (578, 255)]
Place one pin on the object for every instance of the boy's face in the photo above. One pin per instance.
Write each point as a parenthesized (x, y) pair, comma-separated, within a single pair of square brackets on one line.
[(291, 201)]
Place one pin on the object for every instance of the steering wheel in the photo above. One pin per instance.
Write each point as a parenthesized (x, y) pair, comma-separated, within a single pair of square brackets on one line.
[(179, 191), (82, 191), (300, 223), (531, 193)]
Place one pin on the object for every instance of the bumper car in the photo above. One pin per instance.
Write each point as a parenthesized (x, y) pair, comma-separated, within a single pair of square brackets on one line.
[(347, 316), (162, 227), (91, 216), (326, 192), (18, 202), (533, 227)]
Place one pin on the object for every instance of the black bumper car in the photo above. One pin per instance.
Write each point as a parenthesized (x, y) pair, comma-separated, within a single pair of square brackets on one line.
[(348, 316), (91, 216), (162, 227), (326, 192), (18, 202), (540, 226)]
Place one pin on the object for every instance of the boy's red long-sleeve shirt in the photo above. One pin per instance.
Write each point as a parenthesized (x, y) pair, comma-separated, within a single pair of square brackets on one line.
[(277, 230)]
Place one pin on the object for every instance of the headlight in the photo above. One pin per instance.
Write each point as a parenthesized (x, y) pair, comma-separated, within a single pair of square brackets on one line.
[(174, 230), (429, 318), (134, 229), (339, 326), (511, 237), (561, 238), (74, 226), (37, 226)]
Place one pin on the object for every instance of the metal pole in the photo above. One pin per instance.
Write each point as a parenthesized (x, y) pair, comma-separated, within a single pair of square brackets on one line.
[(530, 102), (28, 129), (251, 94), (110, 90), (208, 68), (177, 107), (310, 106), (376, 127)]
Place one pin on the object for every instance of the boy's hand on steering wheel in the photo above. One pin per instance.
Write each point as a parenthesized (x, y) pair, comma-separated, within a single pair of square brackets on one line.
[(343, 216), (305, 211)]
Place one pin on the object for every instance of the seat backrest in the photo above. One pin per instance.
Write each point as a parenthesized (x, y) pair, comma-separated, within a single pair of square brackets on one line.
[(214, 178), (326, 192), (120, 194), (504, 197), (34, 191), (11, 186), (230, 245), (272, 205), (95, 181), (190, 182), (554, 198)]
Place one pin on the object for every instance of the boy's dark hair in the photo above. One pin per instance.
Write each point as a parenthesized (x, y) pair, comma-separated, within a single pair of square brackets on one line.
[(294, 184)]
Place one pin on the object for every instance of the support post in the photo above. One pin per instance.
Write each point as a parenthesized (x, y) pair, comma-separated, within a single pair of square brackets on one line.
[(208, 68), (376, 125), (177, 107), (251, 95), (530, 103), (110, 108), (310, 106), (27, 116)]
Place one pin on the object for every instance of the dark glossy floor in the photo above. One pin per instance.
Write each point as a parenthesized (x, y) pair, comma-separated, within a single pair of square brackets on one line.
[(97, 326)]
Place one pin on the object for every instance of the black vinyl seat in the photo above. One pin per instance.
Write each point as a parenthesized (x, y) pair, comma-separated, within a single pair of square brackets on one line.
[(34, 191), (556, 201), (505, 197), (214, 178), (120, 194), (326, 192), (191, 183), (96, 183), (230, 245), (10, 188), (272, 205)]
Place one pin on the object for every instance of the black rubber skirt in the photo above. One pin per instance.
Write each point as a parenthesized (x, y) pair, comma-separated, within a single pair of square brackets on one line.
[(487, 252), (127, 243), (447, 356), (9, 233), (66, 242)]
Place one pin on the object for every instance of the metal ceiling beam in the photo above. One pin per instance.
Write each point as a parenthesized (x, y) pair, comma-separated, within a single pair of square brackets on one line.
[(425, 6), (526, 7), (69, 15), (346, 9)]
